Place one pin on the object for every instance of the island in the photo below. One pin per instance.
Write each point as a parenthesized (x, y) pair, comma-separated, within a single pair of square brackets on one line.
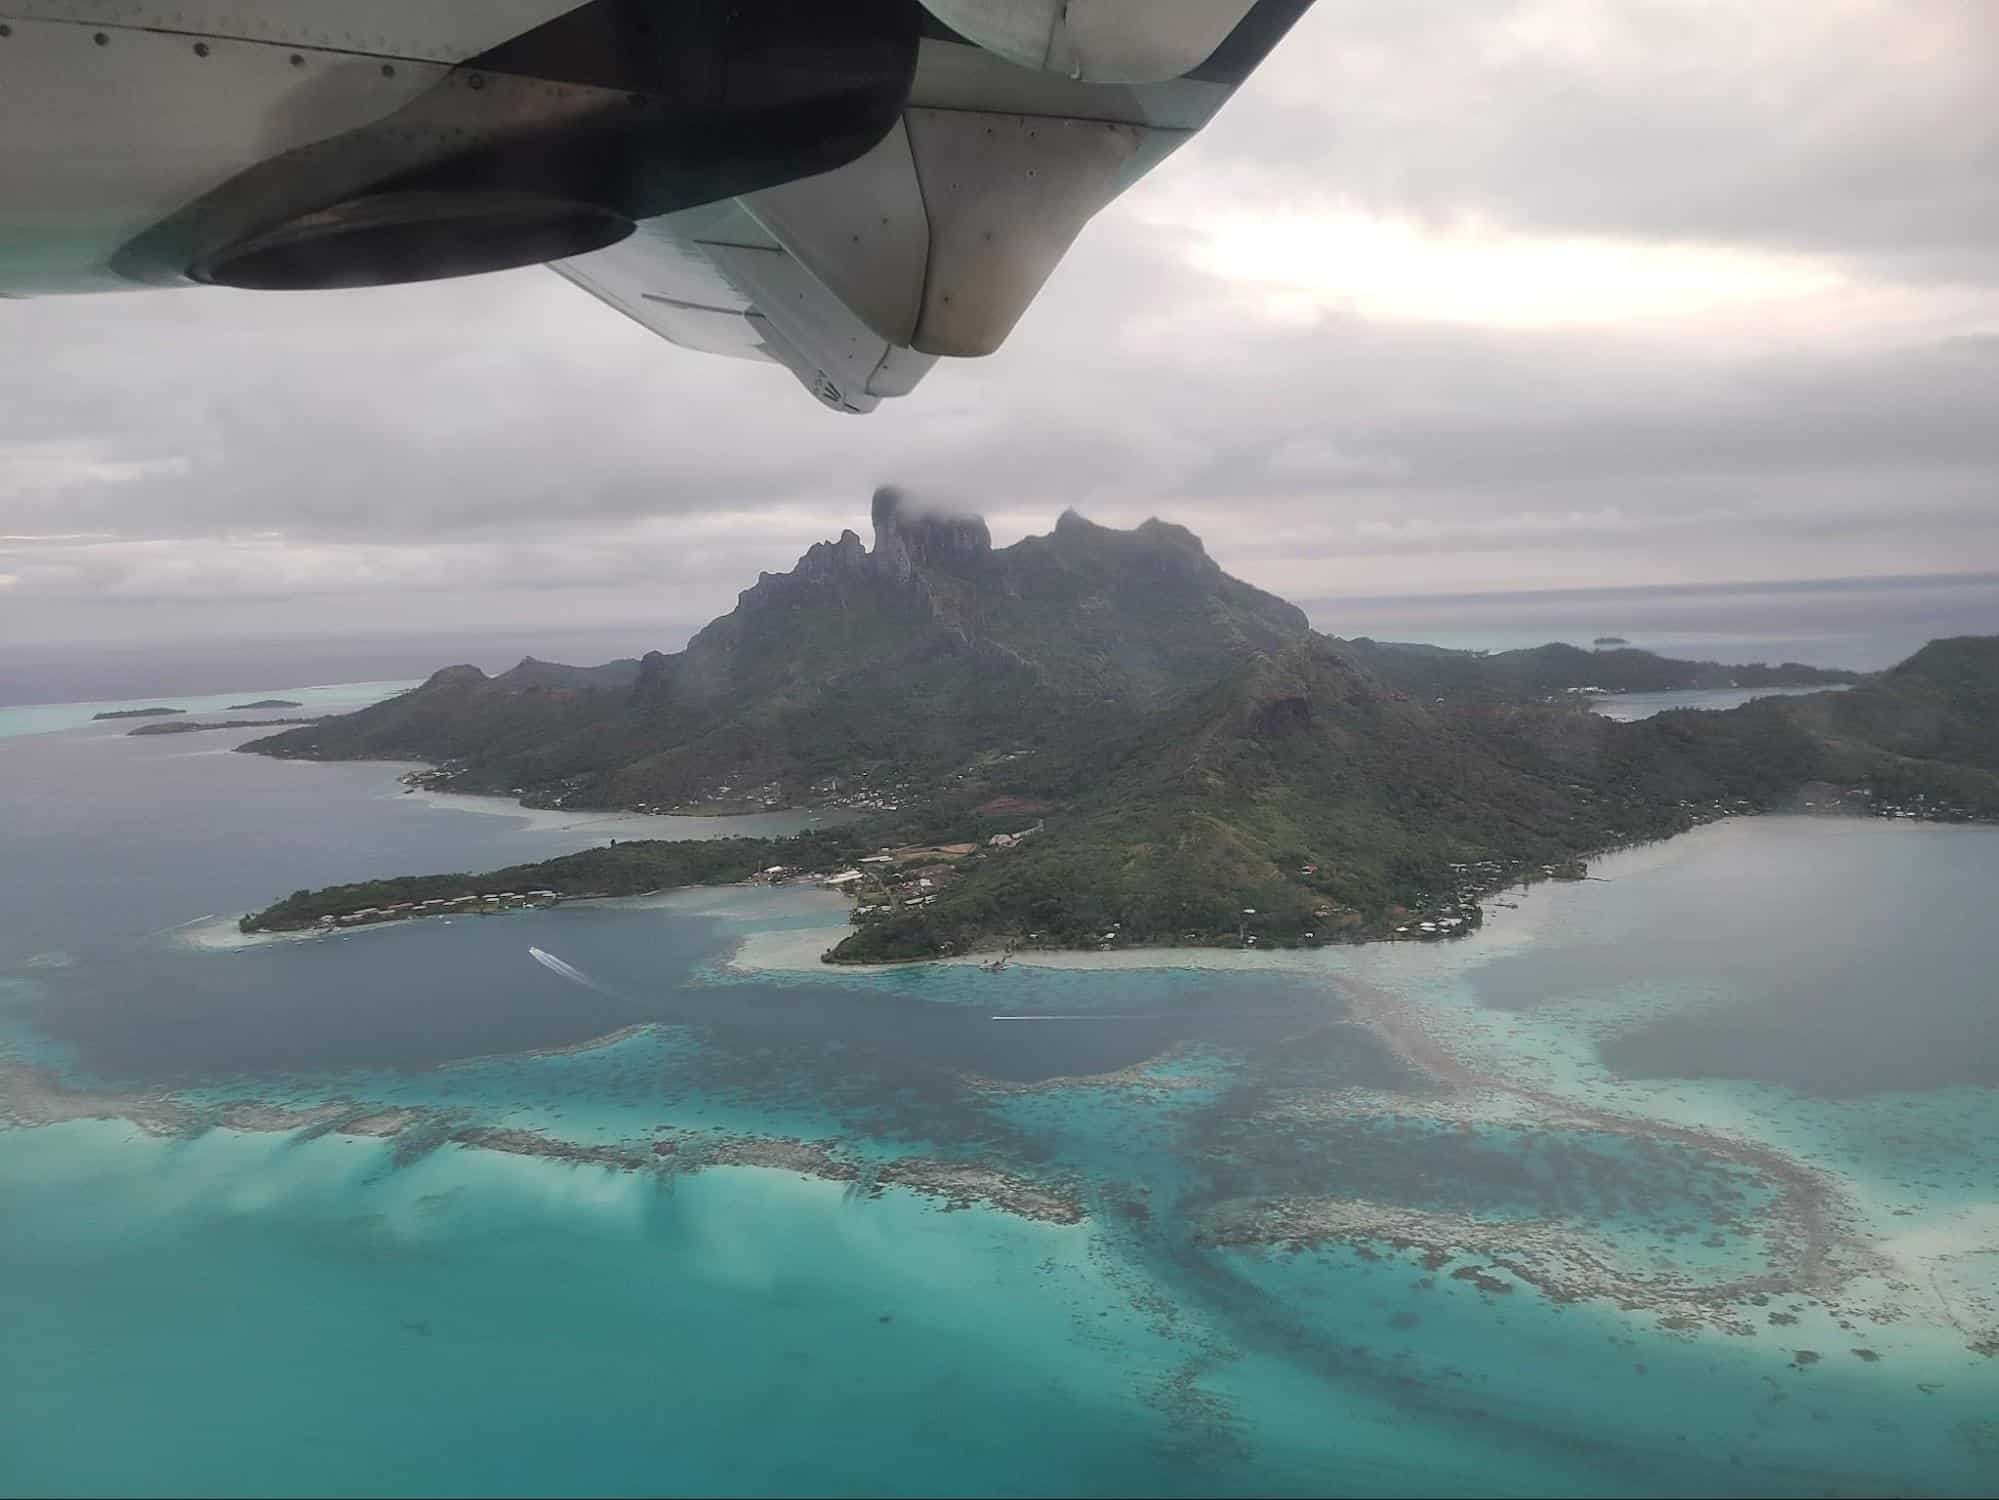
[(195, 726), (265, 703), (1097, 738), (137, 713)]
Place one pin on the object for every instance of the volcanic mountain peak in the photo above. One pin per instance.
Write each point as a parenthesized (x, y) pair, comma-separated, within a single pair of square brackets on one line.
[(910, 537)]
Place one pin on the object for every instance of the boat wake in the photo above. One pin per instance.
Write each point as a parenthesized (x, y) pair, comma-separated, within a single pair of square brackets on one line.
[(567, 971)]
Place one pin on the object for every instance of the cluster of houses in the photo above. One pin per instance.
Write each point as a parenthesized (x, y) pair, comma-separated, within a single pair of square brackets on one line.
[(908, 877), (860, 793), (1820, 797), (769, 796), (431, 777), (1457, 911), (442, 906), (857, 793), (896, 879), (919, 886), (1442, 926)]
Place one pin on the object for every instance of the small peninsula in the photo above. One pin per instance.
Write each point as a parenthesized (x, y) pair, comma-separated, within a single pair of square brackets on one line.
[(1097, 738), (195, 726), (630, 867), (265, 703), (137, 713)]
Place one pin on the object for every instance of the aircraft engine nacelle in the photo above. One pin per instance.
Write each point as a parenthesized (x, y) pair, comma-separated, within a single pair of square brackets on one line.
[(291, 145)]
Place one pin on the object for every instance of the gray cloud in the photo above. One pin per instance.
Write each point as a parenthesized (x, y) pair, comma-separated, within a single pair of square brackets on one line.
[(1865, 129), (505, 448)]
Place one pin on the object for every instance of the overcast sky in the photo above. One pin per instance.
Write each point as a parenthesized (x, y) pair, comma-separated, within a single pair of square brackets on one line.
[(1451, 297)]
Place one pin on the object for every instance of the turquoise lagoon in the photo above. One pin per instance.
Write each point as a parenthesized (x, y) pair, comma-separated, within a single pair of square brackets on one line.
[(1680, 1180), (337, 697)]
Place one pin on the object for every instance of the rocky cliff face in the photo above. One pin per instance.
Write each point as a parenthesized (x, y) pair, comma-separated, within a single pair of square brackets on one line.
[(909, 542), (909, 539), (823, 563), (1112, 595)]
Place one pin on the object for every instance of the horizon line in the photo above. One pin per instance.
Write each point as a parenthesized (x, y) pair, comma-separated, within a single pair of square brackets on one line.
[(1308, 602), (1727, 586)]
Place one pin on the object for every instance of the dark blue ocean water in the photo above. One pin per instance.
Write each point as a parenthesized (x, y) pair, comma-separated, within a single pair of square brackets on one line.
[(313, 1310)]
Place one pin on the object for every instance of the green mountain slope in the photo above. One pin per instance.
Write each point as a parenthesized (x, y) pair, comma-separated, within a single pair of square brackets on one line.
[(1337, 808), (1942, 704), (1433, 672)]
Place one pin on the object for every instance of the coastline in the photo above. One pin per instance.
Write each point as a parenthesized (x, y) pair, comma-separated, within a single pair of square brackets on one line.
[(1456, 915), (799, 950), (604, 821)]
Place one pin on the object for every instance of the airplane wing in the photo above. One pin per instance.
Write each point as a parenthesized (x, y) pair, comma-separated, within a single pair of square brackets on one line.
[(850, 191), (934, 241)]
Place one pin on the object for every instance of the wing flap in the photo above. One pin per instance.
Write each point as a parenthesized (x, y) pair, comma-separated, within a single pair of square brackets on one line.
[(862, 230), (1006, 194), (665, 284), (715, 281)]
